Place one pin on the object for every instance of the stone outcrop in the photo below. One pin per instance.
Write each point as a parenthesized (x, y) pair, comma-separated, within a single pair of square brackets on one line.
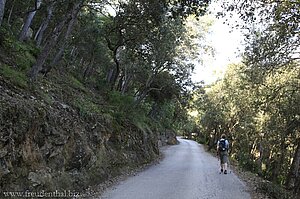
[(49, 146)]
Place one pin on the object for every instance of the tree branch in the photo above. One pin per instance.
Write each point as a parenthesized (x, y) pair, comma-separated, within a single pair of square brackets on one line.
[(36, 7)]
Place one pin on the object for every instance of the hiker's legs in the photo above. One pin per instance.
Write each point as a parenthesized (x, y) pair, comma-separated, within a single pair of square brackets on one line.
[(221, 168), (225, 166), (223, 161)]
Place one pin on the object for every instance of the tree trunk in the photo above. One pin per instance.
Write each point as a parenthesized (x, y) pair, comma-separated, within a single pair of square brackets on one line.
[(147, 88), (10, 12), (141, 96), (154, 112), (260, 146), (116, 72), (40, 33), (87, 70), (57, 57), (24, 32), (2, 7), (279, 160), (292, 179), (109, 75), (38, 66), (126, 82), (73, 52), (120, 81), (60, 53), (213, 139)]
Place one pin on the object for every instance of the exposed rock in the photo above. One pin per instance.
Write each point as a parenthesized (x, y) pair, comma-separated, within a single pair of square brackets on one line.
[(3, 168), (3, 152), (51, 147), (40, 177), (168, 137)]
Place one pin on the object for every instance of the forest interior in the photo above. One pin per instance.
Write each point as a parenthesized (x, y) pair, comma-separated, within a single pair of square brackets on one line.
[(91, 89)]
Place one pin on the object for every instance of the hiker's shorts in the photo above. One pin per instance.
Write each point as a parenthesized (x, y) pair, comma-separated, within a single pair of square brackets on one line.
[(224, 157)]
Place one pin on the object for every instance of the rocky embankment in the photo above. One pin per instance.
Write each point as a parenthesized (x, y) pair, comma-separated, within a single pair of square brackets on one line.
[(49, 146)]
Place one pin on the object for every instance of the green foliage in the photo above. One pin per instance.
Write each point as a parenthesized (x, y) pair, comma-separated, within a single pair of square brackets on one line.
[(76, 84), (154, 62), (164, 88), (14, 76), (140, 114), (259, 117), (46, 97), (122, 103), (22, 55), (122, 106), (246, 162), (274, 191), (24, 60), (273, 37), (143, 49), (86, 106)]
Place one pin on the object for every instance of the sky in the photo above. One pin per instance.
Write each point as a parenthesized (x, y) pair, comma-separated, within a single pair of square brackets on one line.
[(226, 42)]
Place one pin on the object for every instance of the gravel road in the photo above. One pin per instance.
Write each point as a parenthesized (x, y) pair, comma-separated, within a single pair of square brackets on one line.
[(186, 172)]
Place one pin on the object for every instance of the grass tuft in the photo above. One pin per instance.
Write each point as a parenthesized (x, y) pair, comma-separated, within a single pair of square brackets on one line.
[(14, 76)]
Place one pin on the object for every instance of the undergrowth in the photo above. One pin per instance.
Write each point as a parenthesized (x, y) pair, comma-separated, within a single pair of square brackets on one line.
[(274, 191), (66, 88), (16, 77)]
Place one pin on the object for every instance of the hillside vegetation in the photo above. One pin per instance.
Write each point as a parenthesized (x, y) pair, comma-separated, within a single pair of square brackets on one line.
[(90, 89), (86, 94), (257, 102)]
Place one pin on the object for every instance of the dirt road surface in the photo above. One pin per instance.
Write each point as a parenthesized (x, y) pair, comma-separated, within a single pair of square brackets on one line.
[(185, 172)]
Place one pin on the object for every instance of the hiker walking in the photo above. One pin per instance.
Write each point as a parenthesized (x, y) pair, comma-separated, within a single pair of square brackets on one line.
[(222, 152)]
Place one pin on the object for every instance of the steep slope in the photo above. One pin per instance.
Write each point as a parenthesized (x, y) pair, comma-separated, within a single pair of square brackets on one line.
[(55, 135)]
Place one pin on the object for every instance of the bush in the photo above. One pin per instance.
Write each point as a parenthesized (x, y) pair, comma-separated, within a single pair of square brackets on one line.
[(75, 83), (121, 105), (22, 55), (87, 107), (274, 191), (16, 77), (246, 162)]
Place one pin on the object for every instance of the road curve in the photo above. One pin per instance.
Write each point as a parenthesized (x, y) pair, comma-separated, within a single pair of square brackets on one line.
[(186, 172)]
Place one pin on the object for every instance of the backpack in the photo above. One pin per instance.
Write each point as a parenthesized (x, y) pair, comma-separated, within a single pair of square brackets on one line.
[(222, 145)]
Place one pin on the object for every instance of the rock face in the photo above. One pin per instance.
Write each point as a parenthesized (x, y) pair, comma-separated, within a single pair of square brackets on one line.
[(168, 138), (50, 147)]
